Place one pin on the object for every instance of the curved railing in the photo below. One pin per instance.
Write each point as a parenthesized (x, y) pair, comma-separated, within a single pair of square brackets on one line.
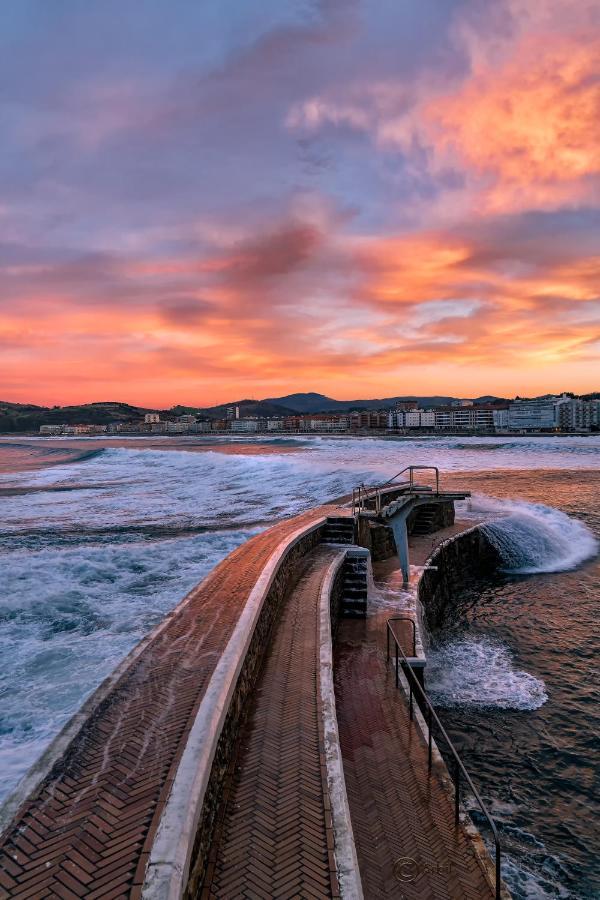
[(414, 685)]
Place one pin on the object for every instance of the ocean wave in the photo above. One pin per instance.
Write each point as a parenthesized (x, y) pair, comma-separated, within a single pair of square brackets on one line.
[(532, 538), (69, 615), (480, 672)]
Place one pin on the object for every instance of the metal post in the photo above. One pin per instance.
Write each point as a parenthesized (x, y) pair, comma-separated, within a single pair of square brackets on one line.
[(430, 740), (456, 793), (411, 698), (396, 664), (388, 643), (498, 880)]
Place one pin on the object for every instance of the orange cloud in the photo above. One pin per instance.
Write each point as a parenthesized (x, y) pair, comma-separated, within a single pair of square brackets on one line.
[(533, 125), (293, 309)]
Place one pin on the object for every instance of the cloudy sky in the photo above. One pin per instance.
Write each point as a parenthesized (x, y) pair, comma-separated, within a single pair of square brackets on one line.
[(201, 201)]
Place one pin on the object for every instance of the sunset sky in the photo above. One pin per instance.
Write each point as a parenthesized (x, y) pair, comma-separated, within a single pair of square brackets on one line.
[(203, 201)]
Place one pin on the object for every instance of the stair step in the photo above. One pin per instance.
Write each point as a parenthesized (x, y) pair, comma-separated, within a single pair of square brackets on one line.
[(354, 582)]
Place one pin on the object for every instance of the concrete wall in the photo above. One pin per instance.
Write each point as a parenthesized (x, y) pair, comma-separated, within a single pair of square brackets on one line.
[(459, 562), (379, 538)]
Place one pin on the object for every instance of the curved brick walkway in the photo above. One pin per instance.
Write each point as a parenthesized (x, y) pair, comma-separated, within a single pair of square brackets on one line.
[(274, 838), (398, 812), (87, 831)]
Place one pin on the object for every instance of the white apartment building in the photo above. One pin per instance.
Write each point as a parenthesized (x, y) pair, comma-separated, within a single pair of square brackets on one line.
[(443, 418), (335, 423), (151, 418), (411, 418), (533, 415), (244, 425), (573, 414), (552, 413), (500, 419)]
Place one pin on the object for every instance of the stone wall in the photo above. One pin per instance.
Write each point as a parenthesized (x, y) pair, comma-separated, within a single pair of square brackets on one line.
[(443, 515), (285, 578), (459, 561), (335, 601), (381, 541)]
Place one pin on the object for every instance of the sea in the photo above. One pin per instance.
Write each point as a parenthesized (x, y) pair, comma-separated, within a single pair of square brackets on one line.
[(99, 539)]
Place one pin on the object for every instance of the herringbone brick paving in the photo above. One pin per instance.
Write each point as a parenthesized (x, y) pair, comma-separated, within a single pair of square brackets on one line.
[(275, 836), (400, 816), (87, 831)]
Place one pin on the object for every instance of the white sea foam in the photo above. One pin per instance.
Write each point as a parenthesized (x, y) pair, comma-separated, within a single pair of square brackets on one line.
[(480, 672), (526, 882), (69, 615), (533, 538)]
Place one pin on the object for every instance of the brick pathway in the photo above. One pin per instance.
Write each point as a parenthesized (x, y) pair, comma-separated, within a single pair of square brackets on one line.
[(88, 830), (398, 812), (274, 838)]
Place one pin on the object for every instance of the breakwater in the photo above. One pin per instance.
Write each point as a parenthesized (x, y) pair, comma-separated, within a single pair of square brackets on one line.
[(232, 693), (456, 563)]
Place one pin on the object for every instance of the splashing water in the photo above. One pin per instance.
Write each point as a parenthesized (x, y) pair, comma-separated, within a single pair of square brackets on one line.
[(532, 538), (480, 672)]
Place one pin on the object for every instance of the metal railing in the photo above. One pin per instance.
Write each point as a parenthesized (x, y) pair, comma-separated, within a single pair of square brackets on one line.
[(431, 715), (414, 633), (362, 495)]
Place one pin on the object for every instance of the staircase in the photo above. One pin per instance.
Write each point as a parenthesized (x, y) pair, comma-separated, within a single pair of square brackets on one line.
[(339, 530), (354, 586), (425, 520)]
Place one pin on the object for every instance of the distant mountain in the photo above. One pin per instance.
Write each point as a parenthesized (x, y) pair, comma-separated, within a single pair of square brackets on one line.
[(317, 403), (490, 399), (249, 408), (20, 417)]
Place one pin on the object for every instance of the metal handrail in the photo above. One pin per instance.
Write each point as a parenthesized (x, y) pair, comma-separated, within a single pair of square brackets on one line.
[(414, 632), (412, 469), (458, 764), (361, 494)]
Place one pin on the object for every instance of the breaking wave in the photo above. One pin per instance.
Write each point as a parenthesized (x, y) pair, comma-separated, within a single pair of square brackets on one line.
[(480, 672), (533, 538)]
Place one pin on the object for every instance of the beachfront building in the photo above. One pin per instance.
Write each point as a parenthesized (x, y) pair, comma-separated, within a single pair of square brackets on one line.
[(51, 429), (151, 418), (367, 419), (414, 418), (573, 414), (562, 413), (328, 423), (500, 418), (244, 426), (533, 415)]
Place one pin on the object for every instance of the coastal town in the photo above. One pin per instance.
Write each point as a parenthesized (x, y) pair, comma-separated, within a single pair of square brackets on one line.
[(550, 414)]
